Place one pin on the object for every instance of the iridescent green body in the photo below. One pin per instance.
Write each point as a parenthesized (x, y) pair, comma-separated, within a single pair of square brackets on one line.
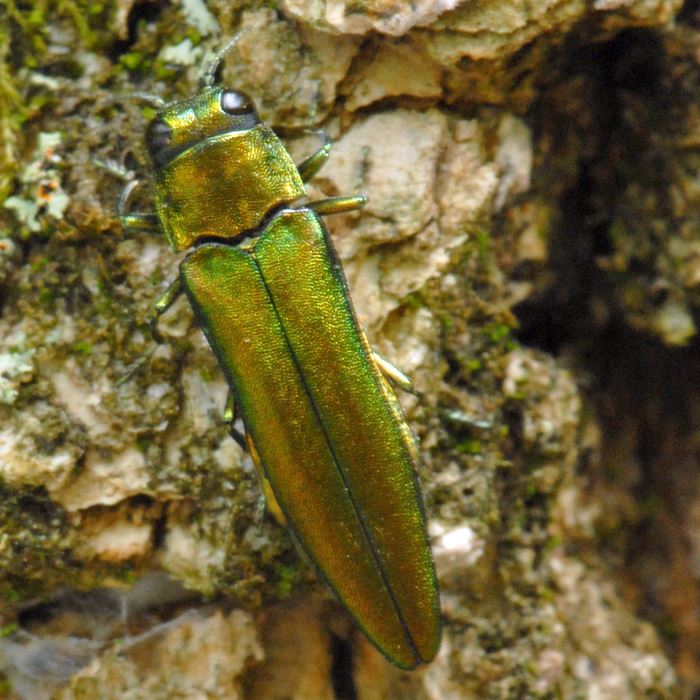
[(337, 459)]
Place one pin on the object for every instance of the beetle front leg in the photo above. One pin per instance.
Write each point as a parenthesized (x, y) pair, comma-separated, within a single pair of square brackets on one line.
[(135, 221), (308, 168), (130, 221), (338, 205)]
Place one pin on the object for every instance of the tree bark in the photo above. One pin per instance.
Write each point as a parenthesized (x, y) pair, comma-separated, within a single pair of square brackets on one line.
[(529, 255)]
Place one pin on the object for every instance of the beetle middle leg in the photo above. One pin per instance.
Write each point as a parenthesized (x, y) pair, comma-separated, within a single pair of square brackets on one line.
[(338, 205), (162, 305), (333, 205)]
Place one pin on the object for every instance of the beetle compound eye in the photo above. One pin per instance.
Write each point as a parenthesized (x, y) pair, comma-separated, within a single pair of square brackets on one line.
[(233, 102), (158, 136)]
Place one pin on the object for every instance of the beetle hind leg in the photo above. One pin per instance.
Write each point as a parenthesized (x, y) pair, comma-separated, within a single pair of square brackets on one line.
[(394, 374), (270, 500), (229, 418), (245, 441), (162, 305)]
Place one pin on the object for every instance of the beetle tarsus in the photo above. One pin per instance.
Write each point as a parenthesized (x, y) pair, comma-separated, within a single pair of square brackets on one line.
[(338, 205), (136, 367), (142, 223), (149, 98), (260, 513), (238, 436)]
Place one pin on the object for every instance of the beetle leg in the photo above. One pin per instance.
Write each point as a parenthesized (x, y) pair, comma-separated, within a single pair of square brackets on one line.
[(141, 222), (308, 168), (131, 371), (230, 408), (270, 500), (145, 223), (391, 378), (337, 205), (115, 169), (163, 304), (394, 374), (246, 442), (137, 221), (154, 100), (260, 511), (237, 436), (230, 418)]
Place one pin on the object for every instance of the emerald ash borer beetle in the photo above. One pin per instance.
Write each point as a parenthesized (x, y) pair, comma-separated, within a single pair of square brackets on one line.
[(336, 458)]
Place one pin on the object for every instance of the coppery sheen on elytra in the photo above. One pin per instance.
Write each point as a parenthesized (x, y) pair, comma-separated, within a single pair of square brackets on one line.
[(336, 456)]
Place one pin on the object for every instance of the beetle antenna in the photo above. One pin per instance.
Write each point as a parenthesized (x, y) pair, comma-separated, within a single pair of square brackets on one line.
[(210, 75)]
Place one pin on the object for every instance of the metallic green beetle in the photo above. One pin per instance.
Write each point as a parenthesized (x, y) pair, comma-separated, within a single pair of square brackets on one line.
[(336, 458)]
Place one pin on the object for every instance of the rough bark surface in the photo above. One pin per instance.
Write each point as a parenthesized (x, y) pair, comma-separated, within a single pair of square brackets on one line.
[(530, 256)]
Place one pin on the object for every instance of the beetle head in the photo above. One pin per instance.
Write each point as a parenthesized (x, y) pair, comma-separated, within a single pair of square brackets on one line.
[(185, 124)]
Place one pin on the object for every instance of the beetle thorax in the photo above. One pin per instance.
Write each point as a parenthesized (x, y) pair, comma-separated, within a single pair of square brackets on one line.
[(219, 171), (225, 186)]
